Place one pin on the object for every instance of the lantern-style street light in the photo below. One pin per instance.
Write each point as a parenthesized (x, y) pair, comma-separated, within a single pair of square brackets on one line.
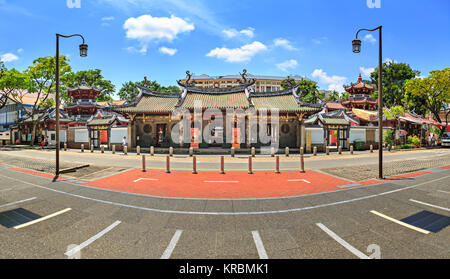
[(83, 53), (356, 45)]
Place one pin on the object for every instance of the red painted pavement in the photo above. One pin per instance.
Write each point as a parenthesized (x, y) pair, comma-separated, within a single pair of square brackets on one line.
[(412, 174)]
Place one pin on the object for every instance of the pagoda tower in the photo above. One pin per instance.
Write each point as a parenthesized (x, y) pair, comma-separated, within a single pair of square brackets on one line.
[(83, 104), (360, 93)]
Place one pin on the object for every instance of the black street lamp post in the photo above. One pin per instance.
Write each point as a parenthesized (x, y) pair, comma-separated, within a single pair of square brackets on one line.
[(357, 49), (83, 53)]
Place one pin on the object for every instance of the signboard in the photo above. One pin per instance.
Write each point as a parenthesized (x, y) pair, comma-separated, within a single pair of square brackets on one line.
[(194, 137), (308, 141), (236, 138)]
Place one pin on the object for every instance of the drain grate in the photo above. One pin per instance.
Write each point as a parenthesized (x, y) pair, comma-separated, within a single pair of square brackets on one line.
[(427, 220), (17, 217)]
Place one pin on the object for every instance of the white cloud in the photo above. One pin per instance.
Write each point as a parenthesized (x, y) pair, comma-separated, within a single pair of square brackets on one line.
[(20, 50), (286, 65), (242, 54), (319, 41), (231, 33), (366, 71), (169, 51), (147, 28), (280, 42), (8, 57), (389, 61), (333, 82), (369, 38), (108, 18)]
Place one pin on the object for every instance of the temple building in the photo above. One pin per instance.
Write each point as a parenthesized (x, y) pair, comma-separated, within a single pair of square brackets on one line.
[(83, 104), (360, 95)]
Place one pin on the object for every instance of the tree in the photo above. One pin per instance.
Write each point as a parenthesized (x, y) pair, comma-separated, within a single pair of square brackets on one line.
[(42, 83), (395, 113), (94, 79), (12, 82), (345, 96), (129, 90), (333, 96), (435, 91), (309, 92), (395, 76)]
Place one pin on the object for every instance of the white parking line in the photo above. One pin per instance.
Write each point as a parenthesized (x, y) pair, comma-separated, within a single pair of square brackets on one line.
[(443, 191), (90, 240), (344, 243), (400, 222), (151, 179), (7, 189), (299, 180), (432, 205), (206, 181), (172, 245), (42, 218), (13, 203), (259, 245)]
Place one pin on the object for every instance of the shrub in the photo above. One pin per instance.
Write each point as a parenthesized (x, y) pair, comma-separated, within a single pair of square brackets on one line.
[(414, 140), (389, 137), (404, 146), (359, 145)]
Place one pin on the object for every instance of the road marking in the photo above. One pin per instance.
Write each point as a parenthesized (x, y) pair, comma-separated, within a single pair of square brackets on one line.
[(259, 245), (78, 248), (7, 189), (299, 180), (13, 203), (172, 245), (344, 243), (151, 179), (42, 218), (400, 222), (443, 191), (221, 181), (435, 206)]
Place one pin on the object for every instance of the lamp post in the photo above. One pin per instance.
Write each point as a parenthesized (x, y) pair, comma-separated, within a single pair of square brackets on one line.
[(357, 49), (83, 53)]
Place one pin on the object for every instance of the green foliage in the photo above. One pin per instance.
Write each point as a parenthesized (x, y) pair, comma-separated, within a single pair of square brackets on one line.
[(345, 96), (333, 96), (389, 137), (129, 90), (434, 90), (394, 112), (414, 140), (395, 76), (94, 79), (359, 145), (308, 91), (435, 130), (405, 146)]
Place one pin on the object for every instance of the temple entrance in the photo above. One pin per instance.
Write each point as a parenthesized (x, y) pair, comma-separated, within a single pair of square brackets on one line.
[(161, 133)]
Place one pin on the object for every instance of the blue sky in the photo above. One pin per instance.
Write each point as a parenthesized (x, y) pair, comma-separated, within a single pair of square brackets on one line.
[(130, 39)]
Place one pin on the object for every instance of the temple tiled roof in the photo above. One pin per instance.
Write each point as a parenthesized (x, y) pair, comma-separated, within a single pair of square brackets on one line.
[(285, 103), (101, 121), (150, 104), (220, 101), (334, 121)]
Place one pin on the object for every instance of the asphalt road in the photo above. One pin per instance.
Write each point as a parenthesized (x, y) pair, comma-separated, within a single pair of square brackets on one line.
[(105, 224)]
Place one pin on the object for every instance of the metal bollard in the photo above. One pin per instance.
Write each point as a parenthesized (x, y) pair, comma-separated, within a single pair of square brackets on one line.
[(168, 164), (302, 151), (302, 164), (351, 149), (82, 147), (194, 165), (315, 150), (250, 167), (371, 148), (277, 164), (113, 149), (65, 146), (287, 151), (152, 151), (253, 152), (138, 150), (171, 151), (327, 150), (340, 150), (92, 148), (125, 150), (102, 148), (232, 151), (272, 152), (222, 165), (191, 151), (143, 164)]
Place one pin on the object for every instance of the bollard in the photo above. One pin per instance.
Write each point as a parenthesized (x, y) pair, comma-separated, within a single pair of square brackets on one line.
[(253, 152), (302, 151), (371, 148), (171, 151), (113, 149), (287, 151), (194, 165), (191, 151), (277, 164), (327, 150), (340, 150), (222, 165), (232, 151), (65, 146), (152, 151), (102, 148), (351, 149), (92, 148), (138, 150), (302, 164), (272, 152), (143, 163), (315, 150), (125, 150), (168, 164), (250, 167), (82, 147)]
